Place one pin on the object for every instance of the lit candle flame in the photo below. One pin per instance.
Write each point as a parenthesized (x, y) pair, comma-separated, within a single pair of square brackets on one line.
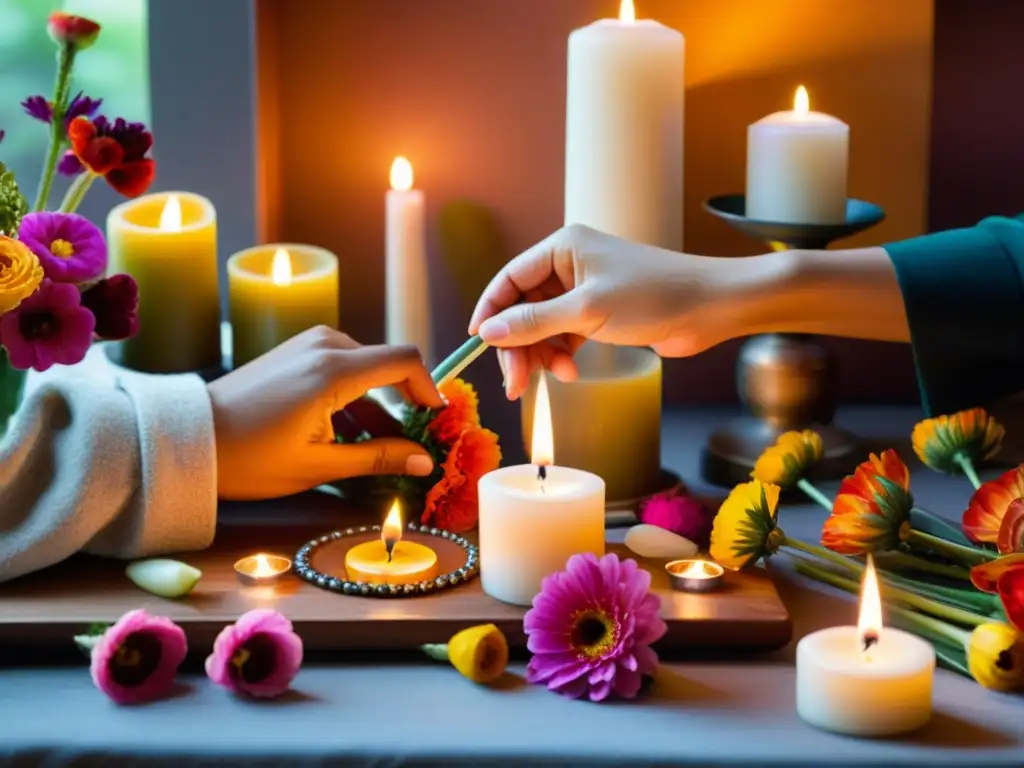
[(401, 174), (695, 570), (391, 530), (263, 567), (170, 216), (869, 622), (542, 453), (801, 101), (627, 11), (281, 268)]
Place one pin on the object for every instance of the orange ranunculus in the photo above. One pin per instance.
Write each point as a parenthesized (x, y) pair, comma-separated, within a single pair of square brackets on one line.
[(452, 504), (1004, 577), (460, 413), (988, 505), (872, 508), (1011, 530)]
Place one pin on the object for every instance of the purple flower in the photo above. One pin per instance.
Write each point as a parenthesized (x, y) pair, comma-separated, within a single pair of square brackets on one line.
[(259, 655), (675, 511), (50, 326), (70, 165), (115, 304), (39, 108), (591, 628), (70, 247)]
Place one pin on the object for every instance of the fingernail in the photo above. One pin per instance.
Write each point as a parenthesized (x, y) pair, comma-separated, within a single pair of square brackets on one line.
[(494, 330), (419, 465)]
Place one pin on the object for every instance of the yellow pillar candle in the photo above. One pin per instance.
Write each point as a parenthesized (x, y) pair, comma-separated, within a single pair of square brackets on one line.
[(168, 243), (406, 563), (608, 422), (276, 292)]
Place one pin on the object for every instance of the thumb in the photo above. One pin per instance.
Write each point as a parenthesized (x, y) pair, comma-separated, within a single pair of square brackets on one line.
[(380, 456), (528, 323)]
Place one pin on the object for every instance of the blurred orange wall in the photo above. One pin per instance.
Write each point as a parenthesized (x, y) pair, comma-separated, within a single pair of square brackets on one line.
[(473, 92)]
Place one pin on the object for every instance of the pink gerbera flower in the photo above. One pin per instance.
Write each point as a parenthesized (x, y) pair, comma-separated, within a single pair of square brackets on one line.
[(49, 327), (136, 659), (259, 655), (591, 628)]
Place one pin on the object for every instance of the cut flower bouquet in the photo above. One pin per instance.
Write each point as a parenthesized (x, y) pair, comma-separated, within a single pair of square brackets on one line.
[(56, 297), (961, 589)]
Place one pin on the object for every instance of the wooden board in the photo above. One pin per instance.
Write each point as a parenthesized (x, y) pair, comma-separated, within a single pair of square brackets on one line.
[(49, 607)]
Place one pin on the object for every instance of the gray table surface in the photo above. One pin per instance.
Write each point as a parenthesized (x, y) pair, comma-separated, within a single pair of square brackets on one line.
[(402, 711)]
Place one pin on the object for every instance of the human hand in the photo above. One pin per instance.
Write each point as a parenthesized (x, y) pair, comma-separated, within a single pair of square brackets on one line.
[(583, 284), (272, 417)]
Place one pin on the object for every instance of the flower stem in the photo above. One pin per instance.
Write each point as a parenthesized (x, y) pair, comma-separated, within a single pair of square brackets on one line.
[(458, 360), (814, 494), (968, 468), (825, 554), (948, 659), (65, 61), (436, 651), (965, 555), (904, 561), (76, 192), (889, 592)]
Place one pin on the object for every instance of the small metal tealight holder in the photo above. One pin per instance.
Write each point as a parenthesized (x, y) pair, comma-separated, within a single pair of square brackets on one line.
[(786, 381), (694, 575)]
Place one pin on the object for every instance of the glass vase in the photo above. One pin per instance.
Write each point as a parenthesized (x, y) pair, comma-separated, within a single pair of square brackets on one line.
[(12, 388)]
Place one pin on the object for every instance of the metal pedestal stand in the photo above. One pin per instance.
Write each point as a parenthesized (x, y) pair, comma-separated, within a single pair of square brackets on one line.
[(786, 381)]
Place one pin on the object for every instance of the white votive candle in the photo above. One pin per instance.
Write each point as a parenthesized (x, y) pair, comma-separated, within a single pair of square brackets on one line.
[(405, 260), (624, 129), (797, 166), (867, 680), (533, 518)]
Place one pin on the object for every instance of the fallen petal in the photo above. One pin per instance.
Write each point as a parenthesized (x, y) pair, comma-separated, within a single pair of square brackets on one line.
[(166, 578)]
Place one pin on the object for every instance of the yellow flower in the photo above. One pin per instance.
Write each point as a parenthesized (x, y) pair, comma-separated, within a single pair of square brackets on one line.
[(20, 273), (788, 459), (945, 443), (745, 528), (479, 653), (995, 657)]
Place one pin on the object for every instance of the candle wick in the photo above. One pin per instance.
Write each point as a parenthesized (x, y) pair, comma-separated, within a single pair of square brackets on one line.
[(870, 639), (542, 475), (389, 545)]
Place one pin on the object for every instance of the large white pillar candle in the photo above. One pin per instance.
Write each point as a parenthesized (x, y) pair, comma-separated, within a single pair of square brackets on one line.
[(533, 518), (407, 279), (624, 129), (797, 166), (867, 680)]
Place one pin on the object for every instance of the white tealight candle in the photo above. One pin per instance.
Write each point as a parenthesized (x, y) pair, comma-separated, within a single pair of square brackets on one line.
[(797, 166), (533, 518), (865, 680), (405, 258)]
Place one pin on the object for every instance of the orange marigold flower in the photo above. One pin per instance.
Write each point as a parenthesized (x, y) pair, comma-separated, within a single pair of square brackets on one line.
[(872, 510), (1011, 531), (1004, 577), (461, 412), (453, 504)]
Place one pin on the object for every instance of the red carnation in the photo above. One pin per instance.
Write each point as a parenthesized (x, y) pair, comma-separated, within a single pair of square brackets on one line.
[(115, 303), (116, 151)]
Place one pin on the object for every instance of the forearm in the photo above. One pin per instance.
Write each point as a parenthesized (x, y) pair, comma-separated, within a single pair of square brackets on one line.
[(850, 293), (124, 472)]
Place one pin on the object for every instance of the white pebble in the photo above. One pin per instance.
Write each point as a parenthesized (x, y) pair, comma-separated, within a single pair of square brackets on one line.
[(658, 543)]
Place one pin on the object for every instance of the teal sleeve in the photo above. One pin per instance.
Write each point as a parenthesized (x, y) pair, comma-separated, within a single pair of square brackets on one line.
[(963, 291)]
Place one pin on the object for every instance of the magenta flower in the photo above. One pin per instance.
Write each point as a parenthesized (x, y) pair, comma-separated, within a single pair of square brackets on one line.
[(70, 248), (136, 659), (259, 655), (70, 165), (50, 326), (675, 511), (115, 304), (591, 628)]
